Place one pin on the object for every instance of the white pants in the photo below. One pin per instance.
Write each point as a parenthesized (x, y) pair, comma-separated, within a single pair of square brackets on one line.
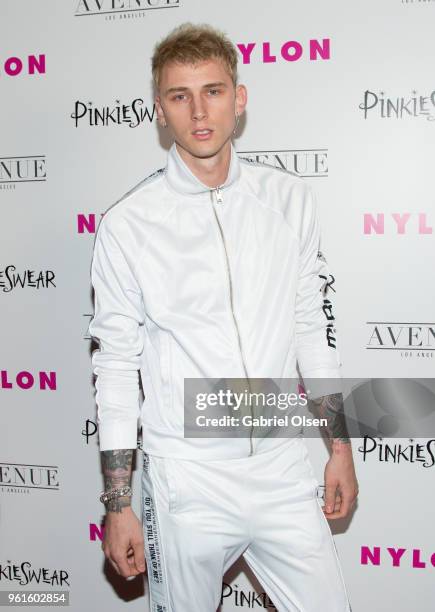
[(199, 517)]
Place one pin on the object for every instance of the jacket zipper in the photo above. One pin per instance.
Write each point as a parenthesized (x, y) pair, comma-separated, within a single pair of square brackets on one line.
[(219, 199)]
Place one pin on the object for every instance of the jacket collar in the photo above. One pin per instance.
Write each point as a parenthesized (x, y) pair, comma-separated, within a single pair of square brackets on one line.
[(182, 179)]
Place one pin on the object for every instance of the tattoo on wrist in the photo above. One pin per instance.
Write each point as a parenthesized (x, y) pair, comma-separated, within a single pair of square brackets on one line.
[(331, 408), (116, 505), (117, 473)]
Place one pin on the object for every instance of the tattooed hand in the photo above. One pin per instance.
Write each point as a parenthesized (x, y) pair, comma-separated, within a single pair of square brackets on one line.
[(123, 543), (341, 485)]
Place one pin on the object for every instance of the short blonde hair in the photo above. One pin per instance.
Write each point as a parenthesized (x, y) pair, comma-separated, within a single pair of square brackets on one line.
[(189, 44)]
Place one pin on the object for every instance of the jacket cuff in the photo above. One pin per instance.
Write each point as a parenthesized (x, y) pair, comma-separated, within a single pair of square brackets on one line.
[(322, 382), (118, 435)]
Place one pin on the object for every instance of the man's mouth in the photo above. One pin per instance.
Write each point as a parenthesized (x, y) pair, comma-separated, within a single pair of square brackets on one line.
[(202, 134)]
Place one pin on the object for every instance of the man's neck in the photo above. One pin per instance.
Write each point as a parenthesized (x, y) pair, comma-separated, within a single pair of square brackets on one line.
[(212, 171)]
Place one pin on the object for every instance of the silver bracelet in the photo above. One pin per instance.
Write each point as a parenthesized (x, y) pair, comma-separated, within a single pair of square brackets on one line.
[(107, 496)]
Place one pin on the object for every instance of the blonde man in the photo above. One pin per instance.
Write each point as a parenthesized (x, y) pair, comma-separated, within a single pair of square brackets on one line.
[(210, 268)]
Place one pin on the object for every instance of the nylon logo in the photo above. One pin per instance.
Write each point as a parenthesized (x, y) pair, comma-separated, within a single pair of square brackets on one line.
[(96, 532), (32, 64), (375, 224), (26, 380), (396, 557), (289, 51), (87, 223)]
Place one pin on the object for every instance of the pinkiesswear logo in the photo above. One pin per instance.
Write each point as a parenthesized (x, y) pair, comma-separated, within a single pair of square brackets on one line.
[(131, 115), (237, 597), (24, 573), (380, 105), (388, 451), (11, 279), (310, 163)]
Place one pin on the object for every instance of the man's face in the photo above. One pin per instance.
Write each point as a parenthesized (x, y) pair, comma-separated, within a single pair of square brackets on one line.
[(199, 104)]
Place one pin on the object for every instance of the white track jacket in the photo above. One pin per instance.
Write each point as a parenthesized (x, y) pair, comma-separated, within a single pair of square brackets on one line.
[(193, 282)]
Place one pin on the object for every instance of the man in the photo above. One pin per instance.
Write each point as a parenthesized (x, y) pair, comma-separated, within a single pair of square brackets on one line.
[(210, 269)]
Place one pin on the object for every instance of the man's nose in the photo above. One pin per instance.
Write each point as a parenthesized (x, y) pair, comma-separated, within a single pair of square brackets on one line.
[(198, 110)]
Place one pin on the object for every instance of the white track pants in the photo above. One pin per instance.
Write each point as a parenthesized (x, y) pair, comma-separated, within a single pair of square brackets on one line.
[(200, 516)]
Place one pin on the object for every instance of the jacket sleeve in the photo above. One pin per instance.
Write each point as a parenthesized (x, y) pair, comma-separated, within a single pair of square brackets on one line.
[(316, 343), (118, 315)]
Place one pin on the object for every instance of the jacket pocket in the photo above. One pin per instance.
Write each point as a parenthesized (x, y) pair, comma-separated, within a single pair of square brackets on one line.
[(158, 481), (165, 358), (171, 484), (166, 390)]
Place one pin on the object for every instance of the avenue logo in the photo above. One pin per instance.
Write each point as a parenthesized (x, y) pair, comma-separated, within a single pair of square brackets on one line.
[(22, 169), (21, 475), (121, 8), (411, 339), (310, 163)]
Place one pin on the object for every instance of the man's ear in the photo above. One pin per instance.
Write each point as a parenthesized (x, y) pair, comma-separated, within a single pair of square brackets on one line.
[(241, 99), (160, 114)]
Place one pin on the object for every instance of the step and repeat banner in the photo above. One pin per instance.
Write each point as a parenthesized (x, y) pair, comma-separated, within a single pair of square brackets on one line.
[(342, 93)]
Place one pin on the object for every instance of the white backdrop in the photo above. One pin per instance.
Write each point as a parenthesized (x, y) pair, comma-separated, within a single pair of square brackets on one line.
[(376, 162)]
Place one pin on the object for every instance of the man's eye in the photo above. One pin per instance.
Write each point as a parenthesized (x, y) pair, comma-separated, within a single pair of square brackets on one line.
[(179, 97), (214, 91)]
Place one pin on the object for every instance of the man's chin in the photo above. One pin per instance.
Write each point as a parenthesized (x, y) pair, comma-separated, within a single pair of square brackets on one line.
[(206, 154), (203, 150)]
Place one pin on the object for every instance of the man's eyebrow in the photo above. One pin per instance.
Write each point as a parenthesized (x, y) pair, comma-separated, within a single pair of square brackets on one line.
[(206, 86), (217, 84)]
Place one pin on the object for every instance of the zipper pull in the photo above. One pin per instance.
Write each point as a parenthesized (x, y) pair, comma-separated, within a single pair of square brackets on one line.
[(219, 197)]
